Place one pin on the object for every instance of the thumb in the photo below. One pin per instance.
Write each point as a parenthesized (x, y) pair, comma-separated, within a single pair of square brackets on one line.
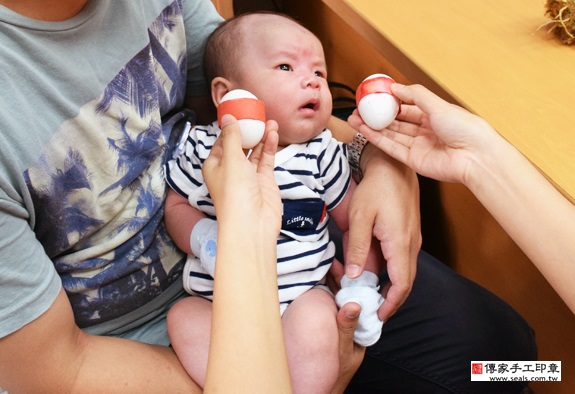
[(350, 353), (347, 318), (230, 136)]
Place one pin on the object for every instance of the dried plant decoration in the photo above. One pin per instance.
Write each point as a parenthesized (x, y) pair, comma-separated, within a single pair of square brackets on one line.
[(562, 13)]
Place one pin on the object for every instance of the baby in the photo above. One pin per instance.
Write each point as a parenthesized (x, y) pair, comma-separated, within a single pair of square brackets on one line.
[(283, 64)]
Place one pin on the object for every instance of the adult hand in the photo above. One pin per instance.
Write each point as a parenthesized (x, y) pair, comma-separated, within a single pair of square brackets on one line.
[(244, 190), (385, 205), (433, 137), (350, 354), (248, 206)]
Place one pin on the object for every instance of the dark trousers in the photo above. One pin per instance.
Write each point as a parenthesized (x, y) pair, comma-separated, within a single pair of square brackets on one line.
[(446, 322)]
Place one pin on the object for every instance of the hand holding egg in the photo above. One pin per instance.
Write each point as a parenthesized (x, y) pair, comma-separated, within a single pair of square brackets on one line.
[(250, 113), (376, 105)]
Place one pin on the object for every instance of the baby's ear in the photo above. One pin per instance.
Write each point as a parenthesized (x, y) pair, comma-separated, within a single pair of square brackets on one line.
[(220, 86)]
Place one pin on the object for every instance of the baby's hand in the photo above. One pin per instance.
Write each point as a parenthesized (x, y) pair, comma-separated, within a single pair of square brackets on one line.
[(203, 242)]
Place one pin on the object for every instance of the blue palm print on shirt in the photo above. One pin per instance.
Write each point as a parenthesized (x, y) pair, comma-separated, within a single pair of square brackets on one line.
[(134, 153), (98, 191)]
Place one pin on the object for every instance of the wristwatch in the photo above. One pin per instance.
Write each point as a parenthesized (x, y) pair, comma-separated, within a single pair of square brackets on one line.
[(354, 148)]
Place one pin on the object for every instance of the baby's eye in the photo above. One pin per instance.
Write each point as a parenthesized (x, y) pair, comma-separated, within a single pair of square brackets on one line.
[(285, 67), (319, 74)]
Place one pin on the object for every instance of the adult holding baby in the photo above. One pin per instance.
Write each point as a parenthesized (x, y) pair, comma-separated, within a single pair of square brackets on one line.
[(88, 270)]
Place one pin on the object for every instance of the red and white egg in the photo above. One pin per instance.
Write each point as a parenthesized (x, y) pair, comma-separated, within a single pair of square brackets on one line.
[(250, 113), (375, 102)]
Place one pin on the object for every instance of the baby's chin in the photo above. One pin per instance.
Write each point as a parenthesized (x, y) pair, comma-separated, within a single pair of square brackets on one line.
[(297, 137), (301, 131)]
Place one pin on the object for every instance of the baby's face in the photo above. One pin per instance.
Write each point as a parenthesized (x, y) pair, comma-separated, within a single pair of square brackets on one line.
[(283, 64)]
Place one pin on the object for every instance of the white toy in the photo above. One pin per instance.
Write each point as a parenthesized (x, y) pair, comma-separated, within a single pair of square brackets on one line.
[(250, 113), (376, 105)]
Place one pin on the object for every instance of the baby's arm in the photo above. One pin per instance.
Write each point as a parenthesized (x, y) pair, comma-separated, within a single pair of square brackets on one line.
[(340, 214), (191, 230), (180, 218)]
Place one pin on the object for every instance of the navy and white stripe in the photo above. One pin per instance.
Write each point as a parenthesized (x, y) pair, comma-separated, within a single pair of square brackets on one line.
[(313, 177)]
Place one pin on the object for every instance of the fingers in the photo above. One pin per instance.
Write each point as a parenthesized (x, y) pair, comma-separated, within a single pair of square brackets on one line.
[(263, 155), (422, 97), (358, 246), (397, 139), (393, 143), (402, 130), (354, 120), (410, 114), (401, 270), (395, 296)]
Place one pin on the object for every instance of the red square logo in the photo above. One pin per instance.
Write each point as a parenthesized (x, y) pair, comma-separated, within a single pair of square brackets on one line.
[(476, 369)]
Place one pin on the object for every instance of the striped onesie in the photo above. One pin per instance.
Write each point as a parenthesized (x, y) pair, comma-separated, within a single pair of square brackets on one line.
[(313, 178)]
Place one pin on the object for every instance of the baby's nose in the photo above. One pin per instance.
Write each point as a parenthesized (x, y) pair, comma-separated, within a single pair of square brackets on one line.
[(311, 81)]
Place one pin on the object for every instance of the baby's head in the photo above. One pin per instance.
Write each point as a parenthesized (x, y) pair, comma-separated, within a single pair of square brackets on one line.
[(279, 61)]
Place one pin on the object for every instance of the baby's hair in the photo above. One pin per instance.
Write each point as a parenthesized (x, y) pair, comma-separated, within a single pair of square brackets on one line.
[(224, 45)]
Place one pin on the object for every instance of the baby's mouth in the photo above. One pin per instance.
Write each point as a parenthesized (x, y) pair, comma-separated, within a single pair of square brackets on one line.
[(312, 105)]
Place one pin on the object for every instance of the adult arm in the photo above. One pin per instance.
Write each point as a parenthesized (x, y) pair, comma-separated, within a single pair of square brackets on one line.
[(247, 355), (536, 216), (52, 355), (385, 205), (446, 142)]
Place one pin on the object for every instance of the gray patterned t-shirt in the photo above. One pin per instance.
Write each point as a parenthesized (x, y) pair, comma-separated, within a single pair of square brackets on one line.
[(88, 107)]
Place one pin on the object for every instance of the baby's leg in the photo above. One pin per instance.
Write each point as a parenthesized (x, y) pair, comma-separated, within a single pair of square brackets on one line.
[(189, 323), (311, 338)]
